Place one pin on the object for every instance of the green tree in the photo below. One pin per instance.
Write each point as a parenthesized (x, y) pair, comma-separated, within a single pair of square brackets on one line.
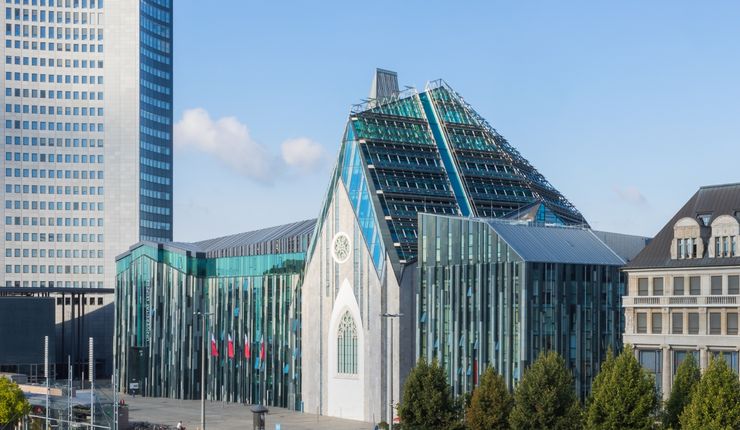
[(491, 403), (715, 402), (427, 402), (687, 376), (13, 404), (545, 398), (623, 395)]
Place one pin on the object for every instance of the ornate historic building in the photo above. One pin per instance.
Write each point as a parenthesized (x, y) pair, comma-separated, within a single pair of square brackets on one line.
[(684, 287)]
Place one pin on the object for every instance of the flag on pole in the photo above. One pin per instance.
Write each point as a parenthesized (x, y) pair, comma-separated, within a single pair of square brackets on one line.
[(230, 346), (262, 347), (247, 352), (214, 349)]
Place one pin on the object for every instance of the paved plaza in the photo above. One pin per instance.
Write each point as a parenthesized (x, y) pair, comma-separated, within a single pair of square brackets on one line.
[(228, 416)]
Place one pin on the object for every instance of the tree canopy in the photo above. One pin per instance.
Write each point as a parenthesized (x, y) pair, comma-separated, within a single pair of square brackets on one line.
[(623, 395), (427, 402), (13, 404), (491, 403), (687, 376), (545, 397), (715, 402)]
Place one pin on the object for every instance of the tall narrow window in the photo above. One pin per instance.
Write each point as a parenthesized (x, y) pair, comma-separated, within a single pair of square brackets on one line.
[(657, 323), (642, 286), (716, 285), (641, 322), (693, 322), (715, 323), (678, 286), (680, 248), (657, 286), (677, 322), (732, 323), (347, 346), (733, 284), (694, 285)]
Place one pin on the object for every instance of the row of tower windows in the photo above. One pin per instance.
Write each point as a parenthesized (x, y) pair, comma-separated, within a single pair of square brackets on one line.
[(54, 62), (51, 284), (42, 205), (66, 269), (52, 174), (51, 46), (53, 237), (54, 253), (61, 3), (58, 221), (54, 79), (50, 158), (59, 142), (44, 32)]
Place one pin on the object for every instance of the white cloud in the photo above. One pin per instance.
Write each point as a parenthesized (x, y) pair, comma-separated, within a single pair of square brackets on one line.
[(631, 195), (228, 140), (302, 153)]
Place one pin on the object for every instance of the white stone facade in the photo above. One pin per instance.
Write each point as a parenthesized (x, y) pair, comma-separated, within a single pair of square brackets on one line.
[(333, 285)]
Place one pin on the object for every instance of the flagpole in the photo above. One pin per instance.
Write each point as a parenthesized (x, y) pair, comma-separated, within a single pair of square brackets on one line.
[(203, 369)]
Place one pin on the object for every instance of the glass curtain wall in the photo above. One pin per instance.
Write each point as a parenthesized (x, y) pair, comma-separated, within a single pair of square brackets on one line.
[(254, 326), (479, 304)]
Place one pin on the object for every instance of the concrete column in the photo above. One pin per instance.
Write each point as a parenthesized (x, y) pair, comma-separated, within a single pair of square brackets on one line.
[(703, 358), (703, 326), (667, 371)]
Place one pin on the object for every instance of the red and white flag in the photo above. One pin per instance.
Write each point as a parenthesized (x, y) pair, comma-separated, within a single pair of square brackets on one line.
[(230, 346), (262, 347), (247, 352), (214, 349)]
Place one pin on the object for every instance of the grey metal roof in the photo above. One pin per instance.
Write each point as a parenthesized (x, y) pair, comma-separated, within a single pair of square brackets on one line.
[(555, 244), (715, 200), (238, 244), (257, 236), (626, 246)]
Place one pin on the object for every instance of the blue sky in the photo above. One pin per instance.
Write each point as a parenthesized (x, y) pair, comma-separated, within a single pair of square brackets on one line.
[(627, 108)]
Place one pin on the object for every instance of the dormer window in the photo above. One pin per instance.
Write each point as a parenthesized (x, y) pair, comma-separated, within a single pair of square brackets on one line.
[(687, 241), (725, 246), (725, 234), (686, 248)]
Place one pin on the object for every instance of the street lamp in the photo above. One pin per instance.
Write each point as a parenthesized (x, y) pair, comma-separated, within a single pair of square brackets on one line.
[(391, 317), (203, 368)]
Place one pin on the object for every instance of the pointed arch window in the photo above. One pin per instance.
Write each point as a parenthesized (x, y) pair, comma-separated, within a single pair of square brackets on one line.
[(347, 346)]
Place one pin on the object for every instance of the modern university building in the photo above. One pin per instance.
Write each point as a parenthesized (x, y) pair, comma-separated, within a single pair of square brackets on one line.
[(404, 260)]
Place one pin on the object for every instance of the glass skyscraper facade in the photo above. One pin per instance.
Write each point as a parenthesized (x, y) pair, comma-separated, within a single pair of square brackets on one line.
[(87, 115), (248, 283), (498, 293)]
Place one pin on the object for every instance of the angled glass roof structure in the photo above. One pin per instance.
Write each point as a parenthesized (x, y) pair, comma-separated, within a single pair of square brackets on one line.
[(406, 152)]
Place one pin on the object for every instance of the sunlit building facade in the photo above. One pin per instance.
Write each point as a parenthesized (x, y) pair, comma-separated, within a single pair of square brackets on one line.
[(248, 283), (88, 137), (403, 153), (405, 156), (496, 293), (684, 288)]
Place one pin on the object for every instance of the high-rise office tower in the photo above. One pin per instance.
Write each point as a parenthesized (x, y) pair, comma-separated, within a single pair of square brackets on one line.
[(87, 115)]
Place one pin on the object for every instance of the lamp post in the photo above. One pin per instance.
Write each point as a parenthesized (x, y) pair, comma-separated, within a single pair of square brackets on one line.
[(203, 317), (391, 317)]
